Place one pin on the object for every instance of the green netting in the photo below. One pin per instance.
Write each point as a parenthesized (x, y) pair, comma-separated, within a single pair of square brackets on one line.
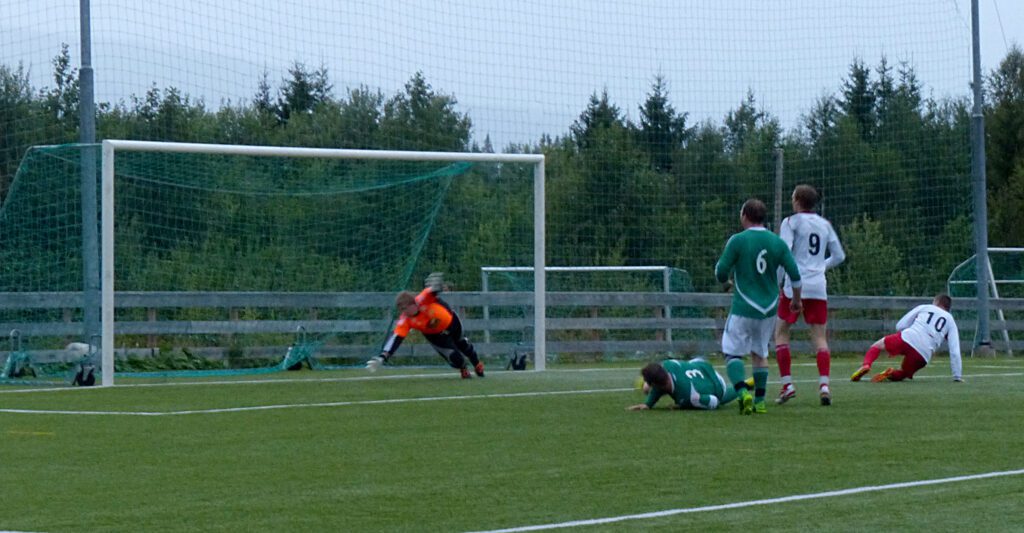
[(215, 224), (1007, 274), (22, 366), (1007, 278)]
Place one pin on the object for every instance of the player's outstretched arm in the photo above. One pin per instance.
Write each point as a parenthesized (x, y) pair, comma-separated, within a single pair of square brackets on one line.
[(638, 407), (953, 342), (392, 344), (376, 362)]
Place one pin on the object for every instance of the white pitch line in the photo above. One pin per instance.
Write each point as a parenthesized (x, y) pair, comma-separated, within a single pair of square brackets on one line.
[(307, 405), (375, 402), (752, 503), (376, 377)]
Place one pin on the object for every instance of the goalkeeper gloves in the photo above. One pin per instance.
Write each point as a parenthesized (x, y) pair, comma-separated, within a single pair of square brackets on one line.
[(435, 281), (375, 363)]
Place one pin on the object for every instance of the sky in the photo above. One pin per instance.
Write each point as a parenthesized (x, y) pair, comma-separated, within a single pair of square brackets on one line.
[(518, 68)]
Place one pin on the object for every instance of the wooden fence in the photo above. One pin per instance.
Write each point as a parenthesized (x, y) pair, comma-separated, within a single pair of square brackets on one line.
[(578, 322)]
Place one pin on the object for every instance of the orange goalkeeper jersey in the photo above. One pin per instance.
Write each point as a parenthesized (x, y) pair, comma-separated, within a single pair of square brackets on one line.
[(434, 317)]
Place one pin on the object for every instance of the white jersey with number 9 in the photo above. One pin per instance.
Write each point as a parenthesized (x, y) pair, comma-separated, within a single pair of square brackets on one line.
[(815, 247)]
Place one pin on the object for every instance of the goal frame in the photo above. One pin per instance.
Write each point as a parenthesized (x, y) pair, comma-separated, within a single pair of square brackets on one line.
[(993, 285), (107, 191)]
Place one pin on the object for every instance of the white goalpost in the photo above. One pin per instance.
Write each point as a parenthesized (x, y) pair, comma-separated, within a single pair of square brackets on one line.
[(109, 245)]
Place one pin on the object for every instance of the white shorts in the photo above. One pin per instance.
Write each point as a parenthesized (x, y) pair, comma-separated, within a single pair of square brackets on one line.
[(744, 335)]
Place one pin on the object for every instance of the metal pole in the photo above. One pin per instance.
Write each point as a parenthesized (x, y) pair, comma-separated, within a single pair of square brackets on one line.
[(87, 136), (107, 338), (982, 338), (666, 285), (539, 272), (485, 287), (777, 220)]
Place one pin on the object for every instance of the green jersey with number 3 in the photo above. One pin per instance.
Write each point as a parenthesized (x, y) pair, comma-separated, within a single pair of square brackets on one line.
[(753, 258), (694, 384)]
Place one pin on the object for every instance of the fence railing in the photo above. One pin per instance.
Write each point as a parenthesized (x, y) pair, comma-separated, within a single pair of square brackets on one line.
[(577, 322)]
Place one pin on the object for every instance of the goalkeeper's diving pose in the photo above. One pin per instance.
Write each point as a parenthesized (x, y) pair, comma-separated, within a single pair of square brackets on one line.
[(439, 324), (692, 384)]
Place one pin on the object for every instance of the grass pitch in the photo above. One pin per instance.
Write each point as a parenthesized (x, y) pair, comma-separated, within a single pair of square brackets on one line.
[(395, 451)]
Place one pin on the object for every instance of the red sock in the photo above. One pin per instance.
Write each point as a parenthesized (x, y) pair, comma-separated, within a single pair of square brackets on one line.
[(872, 355), (824, 362), (785, 361)]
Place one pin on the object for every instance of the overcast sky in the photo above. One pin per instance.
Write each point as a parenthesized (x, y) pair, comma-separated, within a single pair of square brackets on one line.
[(519, 68)]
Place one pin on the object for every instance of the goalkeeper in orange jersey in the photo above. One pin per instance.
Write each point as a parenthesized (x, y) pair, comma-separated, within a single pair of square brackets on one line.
[(438, 323)]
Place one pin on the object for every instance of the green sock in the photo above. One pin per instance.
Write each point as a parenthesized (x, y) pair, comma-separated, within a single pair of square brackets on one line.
[(736, 370), (760, 383)]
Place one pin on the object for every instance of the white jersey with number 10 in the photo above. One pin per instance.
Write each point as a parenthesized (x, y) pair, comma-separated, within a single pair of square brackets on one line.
[(926, 327), (810, 236)]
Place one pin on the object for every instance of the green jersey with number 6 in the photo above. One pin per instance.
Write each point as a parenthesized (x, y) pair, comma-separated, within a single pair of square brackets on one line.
[(753, 257), (695, 385)]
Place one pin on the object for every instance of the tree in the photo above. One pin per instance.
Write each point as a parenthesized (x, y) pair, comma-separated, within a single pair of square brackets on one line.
[(874, 265), (662, 131), (599, 115), (821, 121), (262, 100), (19, 111), (302, 92), (858, 100), (420, 119), (61, 102), (741, 123), (361, 115), (1004, 128)]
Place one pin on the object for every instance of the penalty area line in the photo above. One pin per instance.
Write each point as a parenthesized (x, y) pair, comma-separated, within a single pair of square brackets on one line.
[(752, 503)]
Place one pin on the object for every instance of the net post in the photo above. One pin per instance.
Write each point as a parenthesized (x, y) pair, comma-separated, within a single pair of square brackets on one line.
[(107, 264), (666, 280), (485, 288), (539, 268)]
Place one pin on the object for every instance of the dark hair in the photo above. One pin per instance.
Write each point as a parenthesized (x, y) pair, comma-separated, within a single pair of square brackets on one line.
[(404, 299), (806, 196), (944, 301), (656, 376), (754, 210)]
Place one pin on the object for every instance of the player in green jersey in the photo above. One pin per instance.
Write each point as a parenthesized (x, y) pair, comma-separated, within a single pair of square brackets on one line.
[(752, 258), (692, 384)]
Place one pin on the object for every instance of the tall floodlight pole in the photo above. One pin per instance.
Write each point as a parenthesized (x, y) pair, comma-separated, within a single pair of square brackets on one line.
[(87, 136), (982, 339)]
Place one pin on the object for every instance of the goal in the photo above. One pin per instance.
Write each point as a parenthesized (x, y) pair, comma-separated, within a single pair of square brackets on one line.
[(206, 221), (1005, 280)]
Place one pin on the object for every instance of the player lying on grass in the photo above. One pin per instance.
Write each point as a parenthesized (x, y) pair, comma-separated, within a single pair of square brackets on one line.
[(692, 384), (919, 333), (439, 324)]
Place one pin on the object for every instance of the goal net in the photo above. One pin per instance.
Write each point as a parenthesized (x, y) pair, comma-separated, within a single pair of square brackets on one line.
[(222, 259), (1006, 280)]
